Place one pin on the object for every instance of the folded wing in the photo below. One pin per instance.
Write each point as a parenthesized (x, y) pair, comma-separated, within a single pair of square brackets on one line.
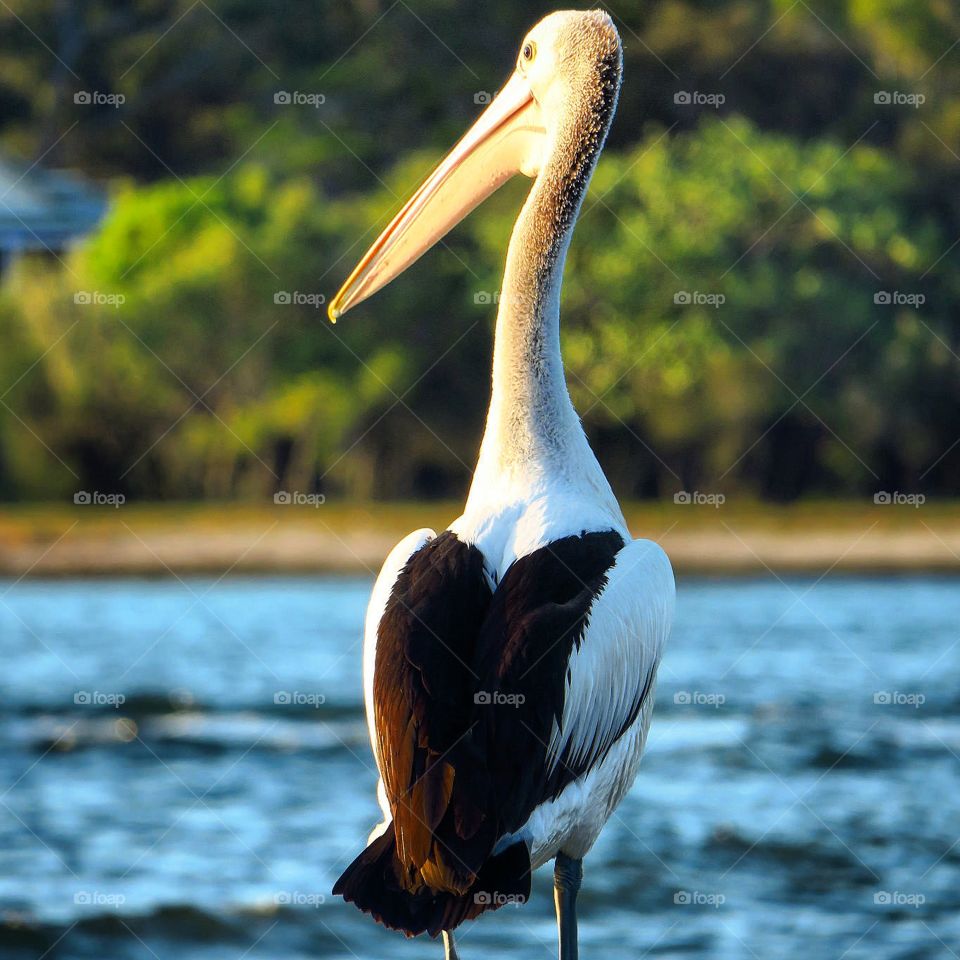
[(487, 703)]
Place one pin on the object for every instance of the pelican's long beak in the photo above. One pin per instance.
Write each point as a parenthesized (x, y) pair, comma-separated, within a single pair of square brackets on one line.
[(506, 139)]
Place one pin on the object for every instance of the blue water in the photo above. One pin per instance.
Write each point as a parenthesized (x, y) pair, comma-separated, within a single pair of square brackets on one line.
[(781, 810)]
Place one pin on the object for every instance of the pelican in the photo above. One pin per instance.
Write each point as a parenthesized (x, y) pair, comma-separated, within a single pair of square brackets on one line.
[(510, 662)]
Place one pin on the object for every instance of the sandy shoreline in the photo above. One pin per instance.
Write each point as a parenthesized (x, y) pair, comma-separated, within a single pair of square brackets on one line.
[(224, 540)]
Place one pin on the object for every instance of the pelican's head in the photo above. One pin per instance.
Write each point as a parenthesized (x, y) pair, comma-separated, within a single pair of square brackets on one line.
[(557, 103), (571, 63)]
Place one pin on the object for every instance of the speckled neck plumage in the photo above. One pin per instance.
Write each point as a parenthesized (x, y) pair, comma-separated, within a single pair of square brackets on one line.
[(531, 419)]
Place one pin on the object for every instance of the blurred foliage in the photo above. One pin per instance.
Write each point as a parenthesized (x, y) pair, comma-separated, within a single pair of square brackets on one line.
[(720, 324)]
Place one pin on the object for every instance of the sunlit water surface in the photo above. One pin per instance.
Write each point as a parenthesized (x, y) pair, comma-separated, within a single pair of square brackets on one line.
[(798, 798)]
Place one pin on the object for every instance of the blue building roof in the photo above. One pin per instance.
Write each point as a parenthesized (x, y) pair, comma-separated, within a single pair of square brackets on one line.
[(45, 208)]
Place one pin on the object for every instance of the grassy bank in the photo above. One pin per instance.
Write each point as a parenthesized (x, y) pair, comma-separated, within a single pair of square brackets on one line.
[(734, 538)]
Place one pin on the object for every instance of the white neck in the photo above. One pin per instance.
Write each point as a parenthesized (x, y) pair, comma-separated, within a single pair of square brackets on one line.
[(533, 439), (531, 419)]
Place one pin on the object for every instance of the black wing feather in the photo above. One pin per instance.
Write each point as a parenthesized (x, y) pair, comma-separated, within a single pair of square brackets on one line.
[(468, 684), (538, 614)]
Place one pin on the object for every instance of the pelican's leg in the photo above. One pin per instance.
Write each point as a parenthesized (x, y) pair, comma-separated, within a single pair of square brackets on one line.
[(567, 874), (449, 947)]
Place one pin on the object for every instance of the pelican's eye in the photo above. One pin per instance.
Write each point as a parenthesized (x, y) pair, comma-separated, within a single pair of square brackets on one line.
[(529, 51)]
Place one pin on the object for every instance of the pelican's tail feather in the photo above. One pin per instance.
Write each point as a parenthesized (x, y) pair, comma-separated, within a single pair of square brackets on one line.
[(374, 882)]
